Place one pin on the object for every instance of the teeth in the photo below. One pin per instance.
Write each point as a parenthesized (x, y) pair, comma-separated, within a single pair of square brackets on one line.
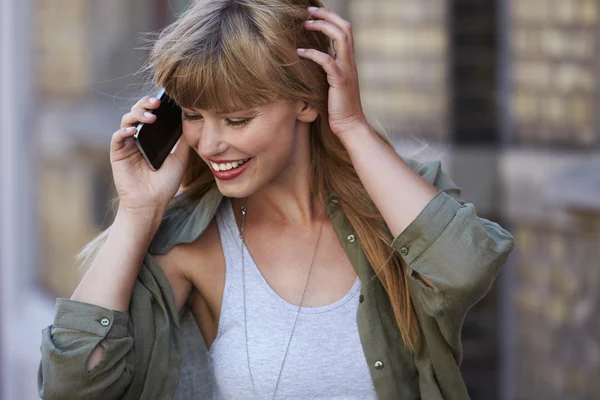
[(227, 166)]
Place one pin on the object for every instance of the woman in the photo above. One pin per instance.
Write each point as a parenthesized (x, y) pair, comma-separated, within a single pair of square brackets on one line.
[(316, 261)]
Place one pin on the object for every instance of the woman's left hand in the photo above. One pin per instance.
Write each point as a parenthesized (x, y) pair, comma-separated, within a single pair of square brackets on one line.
[(345, 109)]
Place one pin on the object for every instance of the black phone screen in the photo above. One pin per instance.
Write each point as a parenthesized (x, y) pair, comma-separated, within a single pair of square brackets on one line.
[(156, 140)]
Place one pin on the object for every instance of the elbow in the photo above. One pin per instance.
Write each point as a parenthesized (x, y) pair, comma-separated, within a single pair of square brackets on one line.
[(57, 382), (480, 269), (457, 261), (77, 369), (490, 255)]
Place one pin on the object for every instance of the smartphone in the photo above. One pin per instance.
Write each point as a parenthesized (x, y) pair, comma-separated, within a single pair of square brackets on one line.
[(156, 140)]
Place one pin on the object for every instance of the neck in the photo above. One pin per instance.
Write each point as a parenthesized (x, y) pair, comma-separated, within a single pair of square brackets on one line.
[(285, 206)]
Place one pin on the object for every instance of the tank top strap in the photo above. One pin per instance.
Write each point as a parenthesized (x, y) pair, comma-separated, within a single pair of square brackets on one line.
[(231, 245), (228, 229)]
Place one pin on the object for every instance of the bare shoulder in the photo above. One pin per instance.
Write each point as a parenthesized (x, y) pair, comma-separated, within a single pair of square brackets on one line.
[(189, 265)]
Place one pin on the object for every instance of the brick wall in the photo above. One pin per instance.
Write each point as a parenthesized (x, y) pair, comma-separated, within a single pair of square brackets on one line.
[(84, 59), (402, 56), (555, 71), (557, 301), (62, 52), (554, 103)]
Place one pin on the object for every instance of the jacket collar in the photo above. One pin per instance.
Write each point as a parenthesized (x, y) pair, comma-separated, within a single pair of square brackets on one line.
[(187, 224)]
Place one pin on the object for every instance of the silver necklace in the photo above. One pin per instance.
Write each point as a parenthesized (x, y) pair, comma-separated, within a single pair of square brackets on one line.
[(244, 211)]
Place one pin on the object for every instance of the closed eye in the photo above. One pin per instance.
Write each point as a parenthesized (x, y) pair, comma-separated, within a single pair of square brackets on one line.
[(188, 117), (229, 122), (237, 123)]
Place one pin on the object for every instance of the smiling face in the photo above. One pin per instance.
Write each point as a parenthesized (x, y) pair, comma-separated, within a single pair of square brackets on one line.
[(248, 150), (242, 56)]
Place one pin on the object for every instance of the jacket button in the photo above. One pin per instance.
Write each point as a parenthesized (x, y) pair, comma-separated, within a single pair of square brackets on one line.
[(378, 364), (404, 251), (361, 298), (351, 238), (105, 322)]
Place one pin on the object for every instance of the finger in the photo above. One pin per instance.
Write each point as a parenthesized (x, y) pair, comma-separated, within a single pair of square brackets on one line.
[(339, 37), (325, 61), (146, 103), (332, 17), (135, 117), (120, 137), (182, 151)]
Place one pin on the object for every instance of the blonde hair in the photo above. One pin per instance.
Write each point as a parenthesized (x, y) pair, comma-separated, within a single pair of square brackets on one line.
[(239, 54)]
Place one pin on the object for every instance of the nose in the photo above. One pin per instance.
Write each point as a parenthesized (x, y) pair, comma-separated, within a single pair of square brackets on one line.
[(211, 143)]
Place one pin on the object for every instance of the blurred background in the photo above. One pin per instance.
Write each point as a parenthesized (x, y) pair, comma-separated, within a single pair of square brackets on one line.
[(505, 92)]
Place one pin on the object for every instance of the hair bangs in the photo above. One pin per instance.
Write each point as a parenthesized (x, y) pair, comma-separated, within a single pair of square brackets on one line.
[(230, 71)]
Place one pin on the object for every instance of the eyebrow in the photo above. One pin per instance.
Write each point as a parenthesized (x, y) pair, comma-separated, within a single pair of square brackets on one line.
[(236, 111), (228, 111)]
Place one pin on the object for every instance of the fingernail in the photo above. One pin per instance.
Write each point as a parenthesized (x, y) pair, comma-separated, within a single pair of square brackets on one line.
[(130, 129), (153, 99), (147, 114), (310, 21), (313, 8), (300, 50)]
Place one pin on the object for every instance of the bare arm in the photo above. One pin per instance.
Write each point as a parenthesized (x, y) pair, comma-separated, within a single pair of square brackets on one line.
[(399, 193), (109, 281)]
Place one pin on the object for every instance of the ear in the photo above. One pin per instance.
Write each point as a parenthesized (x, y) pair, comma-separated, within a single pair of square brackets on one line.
[(306, 112)]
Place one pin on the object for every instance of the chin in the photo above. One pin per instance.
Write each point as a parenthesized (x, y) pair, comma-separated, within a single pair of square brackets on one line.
[(246, 185), (234, 190)]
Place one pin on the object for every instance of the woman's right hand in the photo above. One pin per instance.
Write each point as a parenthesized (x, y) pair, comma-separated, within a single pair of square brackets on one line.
[(139, 187)]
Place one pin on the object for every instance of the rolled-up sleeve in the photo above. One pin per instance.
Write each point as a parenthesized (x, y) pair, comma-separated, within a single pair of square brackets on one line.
[(67, 344), (456, 250), (147, 370), (459, 252)]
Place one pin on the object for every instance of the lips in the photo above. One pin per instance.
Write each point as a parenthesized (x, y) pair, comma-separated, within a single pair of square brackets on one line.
[(229, 171), (227, 166)]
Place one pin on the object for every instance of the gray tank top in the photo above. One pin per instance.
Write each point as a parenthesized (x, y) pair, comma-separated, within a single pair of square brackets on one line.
[(325, 359)]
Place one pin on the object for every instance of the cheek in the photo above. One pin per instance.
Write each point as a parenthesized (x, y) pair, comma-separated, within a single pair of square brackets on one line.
[(191, 135), (273, 140)]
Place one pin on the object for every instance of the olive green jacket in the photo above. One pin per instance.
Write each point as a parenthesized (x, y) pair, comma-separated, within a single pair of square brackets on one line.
[(448, 243)]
